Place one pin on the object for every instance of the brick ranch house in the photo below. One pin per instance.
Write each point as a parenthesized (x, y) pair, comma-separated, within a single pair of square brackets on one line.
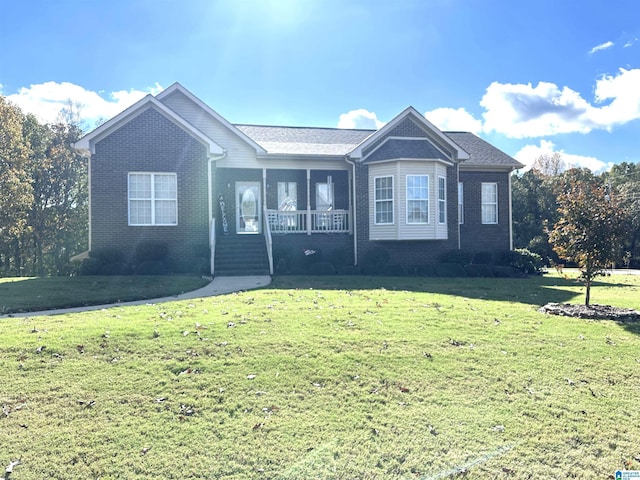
[(171, 169)]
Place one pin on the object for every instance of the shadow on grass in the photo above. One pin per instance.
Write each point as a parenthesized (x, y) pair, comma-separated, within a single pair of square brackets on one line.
[(538, 290)]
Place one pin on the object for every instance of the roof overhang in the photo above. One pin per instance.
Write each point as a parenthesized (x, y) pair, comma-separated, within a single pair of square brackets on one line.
[(89, 141)]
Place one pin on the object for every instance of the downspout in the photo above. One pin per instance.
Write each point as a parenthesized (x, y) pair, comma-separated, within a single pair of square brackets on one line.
[(212, 240), (510, 215), (458, 204), (354, 222)]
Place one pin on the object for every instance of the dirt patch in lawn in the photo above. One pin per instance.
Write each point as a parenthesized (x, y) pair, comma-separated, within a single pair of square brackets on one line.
[(595, 312)]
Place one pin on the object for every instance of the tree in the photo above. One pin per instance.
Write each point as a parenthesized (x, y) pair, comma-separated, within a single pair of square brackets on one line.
[(591, 228), (15, 187), (624, 180)]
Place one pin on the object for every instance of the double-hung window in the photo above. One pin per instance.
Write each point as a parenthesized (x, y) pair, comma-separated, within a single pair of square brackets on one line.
[(442, 200), (153, 199), (417, 199), (489, 196), (383, 194)]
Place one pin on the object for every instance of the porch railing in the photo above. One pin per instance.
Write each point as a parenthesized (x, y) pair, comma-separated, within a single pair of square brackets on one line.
[(309, 221), (268, 241)]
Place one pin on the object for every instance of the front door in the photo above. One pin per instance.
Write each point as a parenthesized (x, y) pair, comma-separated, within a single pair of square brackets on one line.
[(248, 207)]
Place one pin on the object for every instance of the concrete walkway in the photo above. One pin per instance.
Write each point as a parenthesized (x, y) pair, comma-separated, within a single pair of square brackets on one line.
[(218, 286)]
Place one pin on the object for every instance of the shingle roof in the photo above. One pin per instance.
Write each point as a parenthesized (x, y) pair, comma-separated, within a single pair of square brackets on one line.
[(481, 152), (305, 140), (339, 142), (405, 148)]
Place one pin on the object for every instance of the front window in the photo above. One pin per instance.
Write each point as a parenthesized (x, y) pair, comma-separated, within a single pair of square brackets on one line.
[(383, 200), (287, 196), (442, 200), (489, 203), (417, 199), (324, 196), (153, 199)]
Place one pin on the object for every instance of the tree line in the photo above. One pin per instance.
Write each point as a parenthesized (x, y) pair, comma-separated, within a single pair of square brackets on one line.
[(547, 196), (43, 193)]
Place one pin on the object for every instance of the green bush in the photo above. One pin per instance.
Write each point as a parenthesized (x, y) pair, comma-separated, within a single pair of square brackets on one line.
[(374, 261), (421, 270), (482, 258), (449, 270), (525, 261), (152, 250), (322, 268), (478, 270), (461, 257), (90, 266), (115, 268), (151, 267), (107, 255), (394, 270), (501, 271)]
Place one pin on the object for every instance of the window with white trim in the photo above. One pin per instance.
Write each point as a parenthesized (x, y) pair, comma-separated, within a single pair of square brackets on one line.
[(417, 199), (489, 200), (442, 200), (324, 196), (287, 196), (153, 199), (460, 203), (383, 204)]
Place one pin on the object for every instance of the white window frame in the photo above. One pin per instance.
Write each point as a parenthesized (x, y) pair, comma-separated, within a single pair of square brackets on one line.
[(287, 196), (377, 201), (442, 200), (421, 199), (489, 205), (153, 199), (325, 204), (460, 203)]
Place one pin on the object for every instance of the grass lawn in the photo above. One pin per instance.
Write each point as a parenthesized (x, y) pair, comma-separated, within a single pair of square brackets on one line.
[(328, 378), (33, 294)]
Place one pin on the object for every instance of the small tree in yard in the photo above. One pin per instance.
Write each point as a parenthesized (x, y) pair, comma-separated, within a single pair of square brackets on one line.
[(591, 228)]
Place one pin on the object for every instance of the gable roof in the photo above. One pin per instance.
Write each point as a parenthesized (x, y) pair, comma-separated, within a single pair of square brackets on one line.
[(89, 141), (420, 121), (176, 87), (305, 140), (405, 148), (482, 153)]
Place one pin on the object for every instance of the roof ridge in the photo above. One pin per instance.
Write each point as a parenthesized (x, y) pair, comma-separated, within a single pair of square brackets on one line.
[(305, 127)]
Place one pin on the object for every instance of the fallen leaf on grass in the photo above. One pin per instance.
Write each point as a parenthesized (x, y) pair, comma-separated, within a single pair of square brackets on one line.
[(432, 430), (40, 349), (403, 389), (145, 450), (80, 348), (251, 376), (498, 428), (258, 425), (10, 467)]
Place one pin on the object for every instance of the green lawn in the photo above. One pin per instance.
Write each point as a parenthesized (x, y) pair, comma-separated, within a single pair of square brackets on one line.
[(328, 378), (33, 294)]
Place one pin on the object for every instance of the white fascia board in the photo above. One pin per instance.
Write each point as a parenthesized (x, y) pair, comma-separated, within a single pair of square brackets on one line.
[(423, 160), (149, 101), (356, 153), (210, 111)]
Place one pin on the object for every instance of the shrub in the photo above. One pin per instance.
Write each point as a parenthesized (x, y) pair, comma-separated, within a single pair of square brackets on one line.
[(525, 261), (394, 270), (449, 270), (421, 270), (115, 268), (90, 266), (506, 272), (152, 267), (482, 258), (349, 270), (461, 257), (107, 255), (374, 261), (152, 250), (478, 270), (322, 268)]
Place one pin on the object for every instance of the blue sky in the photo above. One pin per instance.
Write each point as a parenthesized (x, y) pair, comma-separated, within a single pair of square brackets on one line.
[(530, 77)]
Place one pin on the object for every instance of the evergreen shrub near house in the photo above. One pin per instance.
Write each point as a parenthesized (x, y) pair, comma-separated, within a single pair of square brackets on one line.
[(104, 261), (421, 270), (394, 270), (461, 257), (374, 261), (524, 260), (322, 268), (482, 258), (478, 270), (151, 258), (449, 270)]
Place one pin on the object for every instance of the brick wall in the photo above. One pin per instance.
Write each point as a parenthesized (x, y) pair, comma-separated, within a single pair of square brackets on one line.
[(474, 235), (149, 143)]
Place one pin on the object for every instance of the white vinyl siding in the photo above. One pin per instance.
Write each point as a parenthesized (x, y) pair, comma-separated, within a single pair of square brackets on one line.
[(383, 204), (460, 203), (153, 198), (442, 200), (417, 199), (489, 201)]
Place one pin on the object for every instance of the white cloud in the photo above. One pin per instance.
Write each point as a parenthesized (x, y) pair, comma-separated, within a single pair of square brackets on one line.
[(450, 119), (520, 111), (46, 100), (359, 118), (602, 46), (529, 153)]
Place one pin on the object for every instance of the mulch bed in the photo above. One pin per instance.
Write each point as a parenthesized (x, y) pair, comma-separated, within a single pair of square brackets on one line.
[(594, 312)]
